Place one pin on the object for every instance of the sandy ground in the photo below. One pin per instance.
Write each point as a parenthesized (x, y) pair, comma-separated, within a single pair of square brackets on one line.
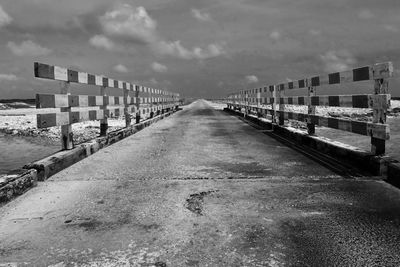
[(25, 125)]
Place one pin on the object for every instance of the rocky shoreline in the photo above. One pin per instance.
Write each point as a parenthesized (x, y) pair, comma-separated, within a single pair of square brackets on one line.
[(26, 126)]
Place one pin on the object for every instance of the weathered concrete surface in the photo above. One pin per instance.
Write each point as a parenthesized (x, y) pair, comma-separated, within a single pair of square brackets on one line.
[(367, 161), (53, 164), (201, 188)]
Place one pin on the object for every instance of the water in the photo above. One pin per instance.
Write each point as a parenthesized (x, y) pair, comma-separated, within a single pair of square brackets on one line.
[(17, 151)]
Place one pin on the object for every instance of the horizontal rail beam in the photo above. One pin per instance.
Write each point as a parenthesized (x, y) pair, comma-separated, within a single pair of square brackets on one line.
[(367, 73), (65, 118), (46, 71), (60, 101), (372, 72), (350, 101), (377, 130)]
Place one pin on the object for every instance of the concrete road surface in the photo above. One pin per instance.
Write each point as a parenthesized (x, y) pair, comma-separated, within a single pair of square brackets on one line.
[(201, 188)]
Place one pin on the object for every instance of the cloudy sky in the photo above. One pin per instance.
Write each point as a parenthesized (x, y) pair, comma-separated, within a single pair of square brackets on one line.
[(197, 48)]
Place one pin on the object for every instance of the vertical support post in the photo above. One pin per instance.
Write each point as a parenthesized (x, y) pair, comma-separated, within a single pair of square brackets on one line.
[(126, 106), (151, 102), (162, 101), (379, 115), (158, 102), (234, 102), (275, 98), (279, 94), (264, 93), (312, 91), (168, 101), (137, 98), (104, 122), (258, 98), (247, 103), (242, 107), (67, 141)]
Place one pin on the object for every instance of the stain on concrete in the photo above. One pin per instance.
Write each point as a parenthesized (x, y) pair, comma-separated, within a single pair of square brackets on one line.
[(195, 201), (203, 112), (95, 224), (249, 168), (90, 225)]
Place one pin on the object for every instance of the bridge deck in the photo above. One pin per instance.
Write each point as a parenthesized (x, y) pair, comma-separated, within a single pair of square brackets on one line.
[(202, 188)]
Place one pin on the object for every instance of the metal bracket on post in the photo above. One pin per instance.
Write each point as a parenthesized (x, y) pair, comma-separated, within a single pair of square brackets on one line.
[(312, 91), (104, 122), (66, 130)]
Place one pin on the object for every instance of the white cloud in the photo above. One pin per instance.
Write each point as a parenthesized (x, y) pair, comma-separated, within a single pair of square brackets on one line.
[(8, 77), (336, 61), (275, 35), (28, 48), (153, 81), (390, 28), (120, 68), (202, 16), (251, 79), (365, 14), (126, 23), (129, 23), (176, 49), (314, 32), (157, 67), (101, 41), (5, 19)]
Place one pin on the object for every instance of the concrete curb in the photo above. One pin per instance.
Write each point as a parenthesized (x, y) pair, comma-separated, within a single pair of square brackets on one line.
[(393, 173), (375, 165), (16, 183), (55, 163)]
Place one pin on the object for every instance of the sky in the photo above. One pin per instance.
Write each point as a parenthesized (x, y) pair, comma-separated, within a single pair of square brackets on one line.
[(205, 48)]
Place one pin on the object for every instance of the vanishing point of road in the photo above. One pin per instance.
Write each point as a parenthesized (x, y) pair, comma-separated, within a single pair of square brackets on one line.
[(201, 188)]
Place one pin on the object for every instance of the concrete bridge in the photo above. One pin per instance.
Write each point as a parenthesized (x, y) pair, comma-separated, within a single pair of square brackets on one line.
[(202, 188)]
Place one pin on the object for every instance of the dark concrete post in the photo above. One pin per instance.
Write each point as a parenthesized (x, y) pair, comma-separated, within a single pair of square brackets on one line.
[(312, 91), (137, 91), (66, 130), (104, 122)]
